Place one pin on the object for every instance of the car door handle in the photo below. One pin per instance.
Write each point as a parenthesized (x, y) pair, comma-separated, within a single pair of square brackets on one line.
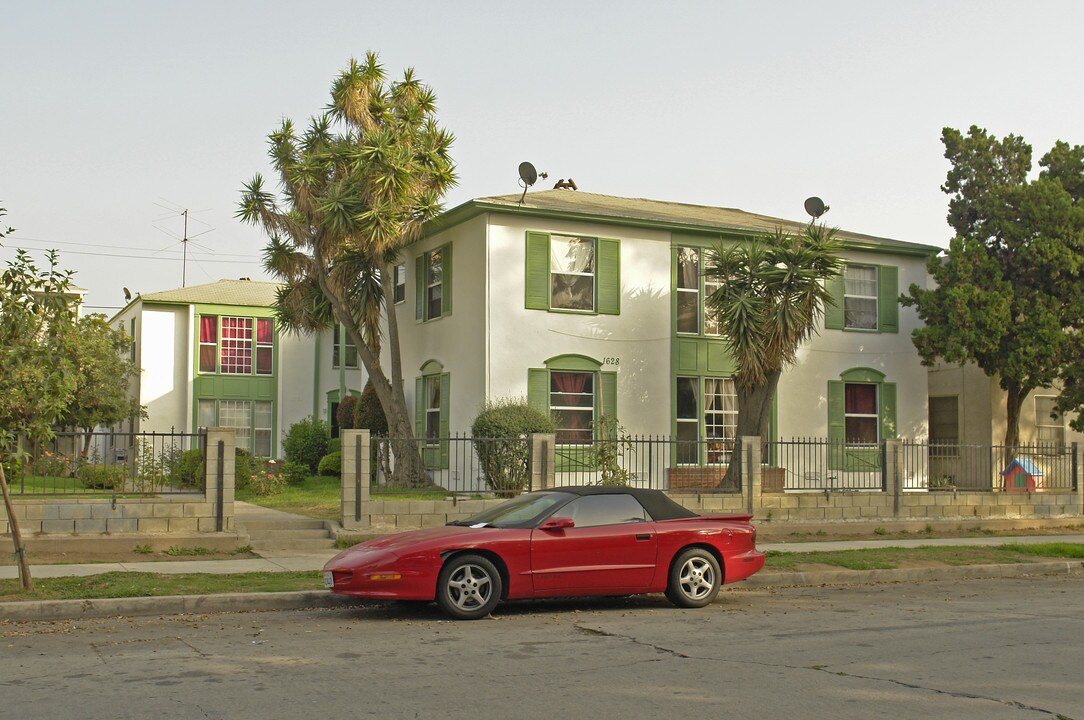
[(643, 536)]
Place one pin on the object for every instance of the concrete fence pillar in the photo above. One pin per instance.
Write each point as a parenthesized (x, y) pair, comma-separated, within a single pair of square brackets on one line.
[(219, 479), (750, 472), (543, 462), (355, 508)]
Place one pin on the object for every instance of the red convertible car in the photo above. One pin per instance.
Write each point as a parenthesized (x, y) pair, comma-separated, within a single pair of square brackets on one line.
[(555, 543)]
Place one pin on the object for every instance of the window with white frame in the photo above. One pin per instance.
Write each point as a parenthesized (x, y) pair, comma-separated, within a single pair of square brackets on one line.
[(688, 290), (400, 283), (688, 421), (572, 404), (434, 283), (720, 418), (860, 414), (572, 273), (432, 409), (860, 297), (1049, 423), (711, 325), (245, 345), (343, 350), (251, 419)]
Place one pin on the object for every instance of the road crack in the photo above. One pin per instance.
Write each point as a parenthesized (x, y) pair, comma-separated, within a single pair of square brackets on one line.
[(950, 693)]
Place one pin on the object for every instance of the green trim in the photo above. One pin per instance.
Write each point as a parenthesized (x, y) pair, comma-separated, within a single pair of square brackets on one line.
[(316, 375), (421, 281), (537, 269), (431, 367), (581, 363), (537, 275), (473, 208), (608, 276), (833, 312), (435, 457), (862, 375), (231, 310), (888, 303)]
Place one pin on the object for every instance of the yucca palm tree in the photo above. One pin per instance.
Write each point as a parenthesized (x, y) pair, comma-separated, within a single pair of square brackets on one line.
[(356, 188), (771, 294)]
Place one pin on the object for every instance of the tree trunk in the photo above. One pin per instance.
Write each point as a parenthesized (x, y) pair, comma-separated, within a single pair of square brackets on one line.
[(16, 537), (409, 467), (754, 418), (1013, 402)]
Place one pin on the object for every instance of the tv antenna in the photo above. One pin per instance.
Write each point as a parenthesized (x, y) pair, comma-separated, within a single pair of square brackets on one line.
[(184, 239), (815, 207), (528, 176)]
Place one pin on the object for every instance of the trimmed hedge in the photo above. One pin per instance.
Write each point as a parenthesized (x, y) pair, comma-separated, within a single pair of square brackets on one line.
[(500, 431)]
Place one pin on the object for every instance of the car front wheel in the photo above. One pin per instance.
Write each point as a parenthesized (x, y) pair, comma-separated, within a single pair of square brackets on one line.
[(695, 579), (468, 587)]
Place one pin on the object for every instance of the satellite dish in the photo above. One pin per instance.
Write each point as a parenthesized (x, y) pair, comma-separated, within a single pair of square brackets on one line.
[(127, 295), (528, 176), (815, 207)]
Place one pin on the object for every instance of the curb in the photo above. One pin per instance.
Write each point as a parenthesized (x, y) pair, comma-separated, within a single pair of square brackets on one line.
[(923, 574), (44, 610)]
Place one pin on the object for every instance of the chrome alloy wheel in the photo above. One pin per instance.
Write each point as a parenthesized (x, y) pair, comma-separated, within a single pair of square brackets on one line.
[(697, 578), (469, 587)]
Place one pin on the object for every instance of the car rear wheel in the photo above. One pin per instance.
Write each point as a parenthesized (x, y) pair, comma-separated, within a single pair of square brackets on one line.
[(468, 587), (695, 579)]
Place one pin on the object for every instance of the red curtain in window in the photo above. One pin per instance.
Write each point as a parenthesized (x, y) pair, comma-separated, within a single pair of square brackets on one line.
[(571, 383), (263, 331), (208, 329)]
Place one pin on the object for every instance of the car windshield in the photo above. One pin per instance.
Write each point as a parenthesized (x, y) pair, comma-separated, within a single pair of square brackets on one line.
[(522, 511)]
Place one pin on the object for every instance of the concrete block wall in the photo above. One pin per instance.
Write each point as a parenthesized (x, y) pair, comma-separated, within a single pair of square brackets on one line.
[(764, 503), (181, 513)]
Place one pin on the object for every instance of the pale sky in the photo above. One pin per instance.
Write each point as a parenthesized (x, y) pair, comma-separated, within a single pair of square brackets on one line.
[(115, 116)]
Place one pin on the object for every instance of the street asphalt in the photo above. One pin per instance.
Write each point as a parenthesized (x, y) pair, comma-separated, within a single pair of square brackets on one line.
[(285, 562)]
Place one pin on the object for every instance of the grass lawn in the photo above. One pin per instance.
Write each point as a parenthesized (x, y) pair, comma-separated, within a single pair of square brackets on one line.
[(123, 585), (891, 558), (318, 497)]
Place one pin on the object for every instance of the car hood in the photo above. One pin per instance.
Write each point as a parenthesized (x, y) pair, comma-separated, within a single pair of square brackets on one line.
[(406, 543)]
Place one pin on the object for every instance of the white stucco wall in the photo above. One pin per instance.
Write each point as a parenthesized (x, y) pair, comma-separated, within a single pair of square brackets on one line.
[(491, 339), (803, 389), (164, 339)]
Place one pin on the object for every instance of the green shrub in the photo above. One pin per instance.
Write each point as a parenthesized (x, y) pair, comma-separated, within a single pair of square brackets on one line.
[(244, 467), (51, 464), (306, 442), (331, 464), (264, 483), (334, 445), (346, 412), (96, 476), (369, 413), (188, 468), (13, 468), (500, 440), (294, 473)]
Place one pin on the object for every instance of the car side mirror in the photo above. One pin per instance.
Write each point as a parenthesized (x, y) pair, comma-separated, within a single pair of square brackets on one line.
[(557, 523)]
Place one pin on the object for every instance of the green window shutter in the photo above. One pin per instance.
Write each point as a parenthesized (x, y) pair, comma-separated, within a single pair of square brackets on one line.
[(837, 425), (888, 305), (538, 389), (445, 386), (608, 381), (419, 409), (888, 411), (419, 287), (833, 314), (609, 276), (446, 280), (538, 271)]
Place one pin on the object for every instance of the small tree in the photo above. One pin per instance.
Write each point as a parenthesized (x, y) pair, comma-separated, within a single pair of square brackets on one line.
[(357, 186), (369, 414), (102, 372), (346, 413), (37, 318), (1009, 292), (501, 442), (771, 295), (306, 442)]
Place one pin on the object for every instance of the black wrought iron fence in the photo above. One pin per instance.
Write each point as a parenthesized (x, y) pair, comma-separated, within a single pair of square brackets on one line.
[(462, 465), (816, 464), (1020, 468), (109, 463)]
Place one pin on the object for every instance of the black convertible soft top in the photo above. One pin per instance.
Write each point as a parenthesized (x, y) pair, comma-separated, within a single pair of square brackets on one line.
[(658, 505)]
